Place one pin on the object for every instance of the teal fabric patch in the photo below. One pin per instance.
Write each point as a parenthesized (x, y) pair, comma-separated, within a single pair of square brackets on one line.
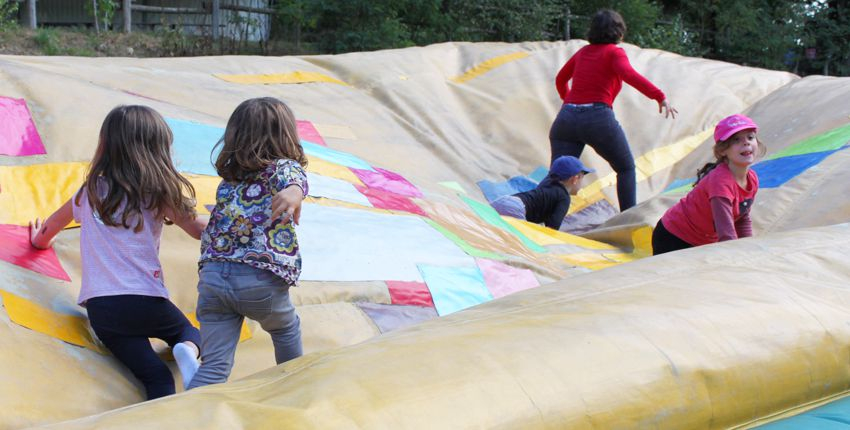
[(455, 288), (193, 146)]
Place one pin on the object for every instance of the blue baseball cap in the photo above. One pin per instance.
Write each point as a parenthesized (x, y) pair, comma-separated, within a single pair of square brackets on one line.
[(567, 166)]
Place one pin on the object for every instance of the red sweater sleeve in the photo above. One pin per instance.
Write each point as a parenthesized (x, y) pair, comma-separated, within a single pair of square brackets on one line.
[(744, 226), (624, 69), (721, 212), (563, 78)]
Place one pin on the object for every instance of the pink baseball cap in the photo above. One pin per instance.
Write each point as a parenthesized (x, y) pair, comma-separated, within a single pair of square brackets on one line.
[(731, 125)]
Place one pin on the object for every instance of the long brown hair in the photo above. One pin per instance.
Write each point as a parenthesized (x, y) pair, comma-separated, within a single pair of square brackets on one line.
[(718, 148), (259, 132), (133, 159)]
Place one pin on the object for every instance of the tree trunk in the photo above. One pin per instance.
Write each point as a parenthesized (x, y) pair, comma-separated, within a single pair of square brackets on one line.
[(31, 20), (127, 8), (216, 18), (94, 8)]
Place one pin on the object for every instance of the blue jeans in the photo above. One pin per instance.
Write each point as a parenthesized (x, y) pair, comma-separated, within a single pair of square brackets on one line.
[(227, 293), (594, 125)]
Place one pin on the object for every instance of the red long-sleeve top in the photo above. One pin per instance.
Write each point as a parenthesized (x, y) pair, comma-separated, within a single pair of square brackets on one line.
[(598, 72)]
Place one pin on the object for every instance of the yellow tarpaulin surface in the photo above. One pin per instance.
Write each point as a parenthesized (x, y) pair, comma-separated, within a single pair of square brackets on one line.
[(669, 348), (297, 77), (713, 337)]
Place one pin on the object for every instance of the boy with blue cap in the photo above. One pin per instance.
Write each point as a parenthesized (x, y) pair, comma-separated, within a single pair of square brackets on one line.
[(549, 202)]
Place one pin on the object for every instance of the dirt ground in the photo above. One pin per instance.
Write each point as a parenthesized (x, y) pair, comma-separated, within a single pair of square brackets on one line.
[(86, 42)]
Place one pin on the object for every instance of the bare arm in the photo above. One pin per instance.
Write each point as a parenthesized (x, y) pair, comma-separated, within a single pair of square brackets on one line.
[(192, 226), (42, 234), (287, 202)]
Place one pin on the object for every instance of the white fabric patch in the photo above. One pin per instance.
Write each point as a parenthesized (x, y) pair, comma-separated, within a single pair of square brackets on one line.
[(345, 244), (336, 189)]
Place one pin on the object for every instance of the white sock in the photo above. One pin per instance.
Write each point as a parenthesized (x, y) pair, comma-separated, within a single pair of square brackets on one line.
[(187, 361)]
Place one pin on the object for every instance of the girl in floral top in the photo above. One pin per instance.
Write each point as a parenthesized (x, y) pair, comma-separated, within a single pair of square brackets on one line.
[(249, 251)]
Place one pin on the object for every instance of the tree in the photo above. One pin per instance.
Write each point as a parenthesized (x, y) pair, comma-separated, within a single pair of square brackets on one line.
[(827, 32)]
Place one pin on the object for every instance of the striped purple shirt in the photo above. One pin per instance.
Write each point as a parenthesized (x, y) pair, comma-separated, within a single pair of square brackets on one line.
[(116, 260)]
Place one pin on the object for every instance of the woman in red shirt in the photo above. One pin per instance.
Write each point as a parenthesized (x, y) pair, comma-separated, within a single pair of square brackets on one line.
[(597, 72)]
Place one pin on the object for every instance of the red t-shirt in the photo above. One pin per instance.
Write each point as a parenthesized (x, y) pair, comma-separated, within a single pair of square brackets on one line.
[(598, 72), (691, 218)]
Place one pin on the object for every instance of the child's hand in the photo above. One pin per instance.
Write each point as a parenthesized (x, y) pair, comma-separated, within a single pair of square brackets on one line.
[(287, 203), (667, 109), (37, 236)]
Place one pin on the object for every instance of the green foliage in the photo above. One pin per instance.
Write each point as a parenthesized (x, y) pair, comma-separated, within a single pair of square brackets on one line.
[(503, 20), (48, 40), (8, 14), (761, 33), (105, 11), (827, 31)]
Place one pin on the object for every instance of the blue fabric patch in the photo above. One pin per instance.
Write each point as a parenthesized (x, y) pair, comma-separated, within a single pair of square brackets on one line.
[(193, 145), (774, 173), (455, 288), (494, 190), (679, 183), (834, 415), (334, 156), (538, 174)]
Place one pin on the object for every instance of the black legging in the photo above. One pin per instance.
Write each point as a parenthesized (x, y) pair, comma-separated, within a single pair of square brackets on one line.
[(664, 241), (595, 125), (125, 323)]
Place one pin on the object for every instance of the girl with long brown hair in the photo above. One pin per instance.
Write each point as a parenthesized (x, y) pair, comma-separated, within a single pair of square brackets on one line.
[(131, 190)]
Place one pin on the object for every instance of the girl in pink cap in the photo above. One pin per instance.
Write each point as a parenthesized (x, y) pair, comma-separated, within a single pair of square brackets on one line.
[(718, 208)]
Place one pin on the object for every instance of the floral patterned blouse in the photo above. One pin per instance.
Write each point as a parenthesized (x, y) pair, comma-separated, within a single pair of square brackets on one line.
[(240, 229)]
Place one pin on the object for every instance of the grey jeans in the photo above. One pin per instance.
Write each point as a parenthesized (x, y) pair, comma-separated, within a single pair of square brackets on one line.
[(229, 292)]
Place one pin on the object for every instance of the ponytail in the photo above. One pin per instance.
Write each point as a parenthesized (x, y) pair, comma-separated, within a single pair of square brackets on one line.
[(705, 169)]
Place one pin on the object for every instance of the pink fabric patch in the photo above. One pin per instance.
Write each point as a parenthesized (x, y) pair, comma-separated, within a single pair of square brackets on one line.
[(18, 135), (17, 250), (503, 280), (385, 200), (410, 293), (388, 181), (309, 133)]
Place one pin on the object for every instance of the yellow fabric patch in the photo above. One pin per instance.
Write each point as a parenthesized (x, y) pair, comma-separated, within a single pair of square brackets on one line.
[(296, 77), (547, 236), (333, 170), (244, 335), (589, 260), (36, 191), (486, 66), (205, 190), (642, 241), (69, 328), (661, 158), (622, 257), (646, 165)]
